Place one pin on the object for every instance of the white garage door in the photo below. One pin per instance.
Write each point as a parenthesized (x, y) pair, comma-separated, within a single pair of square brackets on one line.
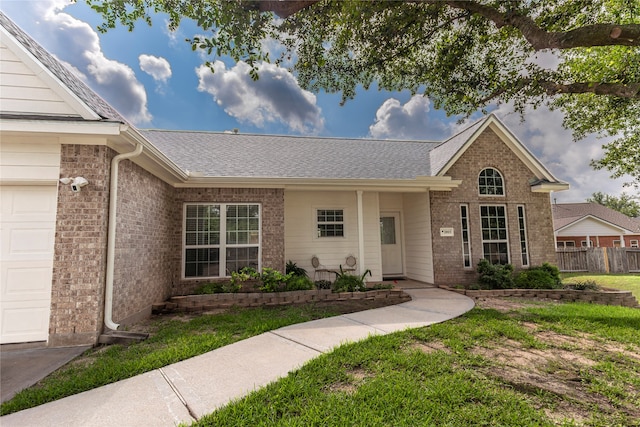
[(27, 232)]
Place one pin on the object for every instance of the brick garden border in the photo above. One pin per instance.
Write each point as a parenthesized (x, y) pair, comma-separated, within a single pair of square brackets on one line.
[(620, 298), (197, 303)]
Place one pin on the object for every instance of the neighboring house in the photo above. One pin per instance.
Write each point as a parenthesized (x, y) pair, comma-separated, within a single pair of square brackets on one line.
[(593, 225), (166, 210)]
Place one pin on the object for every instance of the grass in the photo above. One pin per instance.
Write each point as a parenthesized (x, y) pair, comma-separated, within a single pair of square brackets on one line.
[(623, 282), (487, 367), (171, 340)]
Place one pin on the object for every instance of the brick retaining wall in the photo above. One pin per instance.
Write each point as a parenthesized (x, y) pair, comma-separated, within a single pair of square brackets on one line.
[(621, 298), (196, 303)]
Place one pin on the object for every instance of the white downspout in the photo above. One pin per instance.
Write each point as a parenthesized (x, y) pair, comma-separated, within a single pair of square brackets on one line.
[(111, 235)]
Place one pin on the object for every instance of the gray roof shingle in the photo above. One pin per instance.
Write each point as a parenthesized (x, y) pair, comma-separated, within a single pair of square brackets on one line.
[(269, 156)]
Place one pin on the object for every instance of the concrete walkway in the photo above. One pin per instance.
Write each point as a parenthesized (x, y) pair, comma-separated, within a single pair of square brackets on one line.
[(187, 390)]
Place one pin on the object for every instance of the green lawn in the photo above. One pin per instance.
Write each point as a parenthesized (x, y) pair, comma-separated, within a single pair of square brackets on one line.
[(623, 282), (172, 340), (535, 365)]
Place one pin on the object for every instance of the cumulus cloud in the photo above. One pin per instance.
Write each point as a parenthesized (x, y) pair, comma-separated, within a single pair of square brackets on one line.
[(409, 121), (156, 67), (77, 44), (543, 134), (275, 97)]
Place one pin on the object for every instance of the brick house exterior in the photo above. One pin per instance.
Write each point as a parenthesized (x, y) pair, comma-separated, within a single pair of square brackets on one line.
[(131, 222)]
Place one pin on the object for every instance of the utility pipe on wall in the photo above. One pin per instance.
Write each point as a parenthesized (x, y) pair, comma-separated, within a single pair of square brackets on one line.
[(111, 235)]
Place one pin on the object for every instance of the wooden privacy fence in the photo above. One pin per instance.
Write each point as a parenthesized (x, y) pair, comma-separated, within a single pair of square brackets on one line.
[(599, 260)]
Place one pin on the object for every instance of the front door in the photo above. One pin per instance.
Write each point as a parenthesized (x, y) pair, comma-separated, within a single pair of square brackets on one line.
[(391, 244)]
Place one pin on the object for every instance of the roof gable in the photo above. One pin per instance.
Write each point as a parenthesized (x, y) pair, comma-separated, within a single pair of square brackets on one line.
[(80, 99), (567, 215), (446, 154)]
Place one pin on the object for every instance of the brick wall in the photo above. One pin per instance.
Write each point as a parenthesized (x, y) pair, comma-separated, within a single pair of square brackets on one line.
[(145, 251), (80, 247), (488, 151), (272, 201), (599, 241)]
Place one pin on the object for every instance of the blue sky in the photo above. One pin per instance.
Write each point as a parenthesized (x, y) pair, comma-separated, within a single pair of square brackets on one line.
[(152, 77)]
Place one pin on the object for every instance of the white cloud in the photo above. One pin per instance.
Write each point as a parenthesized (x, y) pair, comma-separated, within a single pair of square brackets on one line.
[(542, 132), (75, 43), (408, 121), (157, 67), (274, 97)]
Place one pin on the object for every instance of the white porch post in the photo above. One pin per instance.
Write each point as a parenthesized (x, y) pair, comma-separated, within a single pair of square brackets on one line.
[(622, 240), (361, 262)]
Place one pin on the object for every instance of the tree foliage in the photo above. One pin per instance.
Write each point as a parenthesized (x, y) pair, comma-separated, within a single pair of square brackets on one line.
[(624, 204), (578, 56)]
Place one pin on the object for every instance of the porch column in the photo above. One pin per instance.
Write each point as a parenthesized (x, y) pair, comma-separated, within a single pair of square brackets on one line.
[(622, 240), (360, 232)]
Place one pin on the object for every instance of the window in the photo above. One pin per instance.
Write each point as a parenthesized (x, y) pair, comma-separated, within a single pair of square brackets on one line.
[(466, 240), (566, 244), (633, 243), (495, 245), (330, 222), (616, 243), (490, 183), (583, 243), (522, 225), (220, 238)]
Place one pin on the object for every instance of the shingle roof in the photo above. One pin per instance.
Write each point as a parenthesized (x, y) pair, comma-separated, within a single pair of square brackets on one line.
[(444, 152), (248, 155), (77, 86), (565, 214)]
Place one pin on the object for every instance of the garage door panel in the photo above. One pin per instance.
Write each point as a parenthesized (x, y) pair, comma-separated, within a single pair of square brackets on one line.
[(27, 239), (31, 204), (25, 281), (23, 241), (23, 322)]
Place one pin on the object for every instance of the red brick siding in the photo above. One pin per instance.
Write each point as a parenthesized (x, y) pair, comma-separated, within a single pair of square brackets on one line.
[(145, 261), (80, 247), (272, 201), (488, 151), (599, 241)]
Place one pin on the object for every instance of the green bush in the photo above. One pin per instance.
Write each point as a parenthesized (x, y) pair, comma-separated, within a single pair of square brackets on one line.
[(495, 276), (292, 268), (346, 282), (583, 285), (323, 284), (545, 276), (298, 283), (273, 280), (217, 288)]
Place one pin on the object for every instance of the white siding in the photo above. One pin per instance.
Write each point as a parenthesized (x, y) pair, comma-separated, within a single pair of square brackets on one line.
[(302, 242), (417, 243), (23, 92), (24, 162), (591, 227)]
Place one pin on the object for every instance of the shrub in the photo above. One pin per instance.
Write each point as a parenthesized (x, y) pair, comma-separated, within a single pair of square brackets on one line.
[(495, 276), (292, 268), (583, 285), (346, 282), (273, 280), (323, 284), (545, 276), (217, 288), (298, 283), (239, 277)]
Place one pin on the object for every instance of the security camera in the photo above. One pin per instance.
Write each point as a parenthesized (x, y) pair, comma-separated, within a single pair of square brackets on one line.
[(78, 183)]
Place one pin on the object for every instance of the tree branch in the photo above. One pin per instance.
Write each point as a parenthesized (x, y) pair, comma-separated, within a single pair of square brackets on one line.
[(631, 91)]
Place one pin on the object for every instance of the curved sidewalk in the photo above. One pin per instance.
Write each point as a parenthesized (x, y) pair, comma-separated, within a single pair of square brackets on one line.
[(187, 390)]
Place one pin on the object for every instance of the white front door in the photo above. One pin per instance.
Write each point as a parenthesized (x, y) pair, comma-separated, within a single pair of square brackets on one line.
[(27, 233), (390, 238)]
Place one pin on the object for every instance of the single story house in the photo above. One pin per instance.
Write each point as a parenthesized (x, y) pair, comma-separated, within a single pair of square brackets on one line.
[(593, 225), (100, 220)]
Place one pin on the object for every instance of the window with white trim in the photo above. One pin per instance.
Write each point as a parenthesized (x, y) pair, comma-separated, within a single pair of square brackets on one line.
[(495, 244), (565, 244), (583, 243), (466, 239), (633, 243), (330, 222), (220, 238), (522, 226), (490, 183), (616, 244)]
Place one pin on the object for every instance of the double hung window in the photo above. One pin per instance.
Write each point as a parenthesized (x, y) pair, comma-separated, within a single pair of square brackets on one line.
[(495, 244), (220, 238)]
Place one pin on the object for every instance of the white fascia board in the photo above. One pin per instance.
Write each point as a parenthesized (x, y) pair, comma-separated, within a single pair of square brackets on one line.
[(25, 126), (595, 218), (421, 184), (48, 77), (548, 187)]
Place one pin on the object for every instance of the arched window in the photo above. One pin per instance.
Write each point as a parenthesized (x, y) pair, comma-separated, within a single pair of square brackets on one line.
[(490, 183)]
